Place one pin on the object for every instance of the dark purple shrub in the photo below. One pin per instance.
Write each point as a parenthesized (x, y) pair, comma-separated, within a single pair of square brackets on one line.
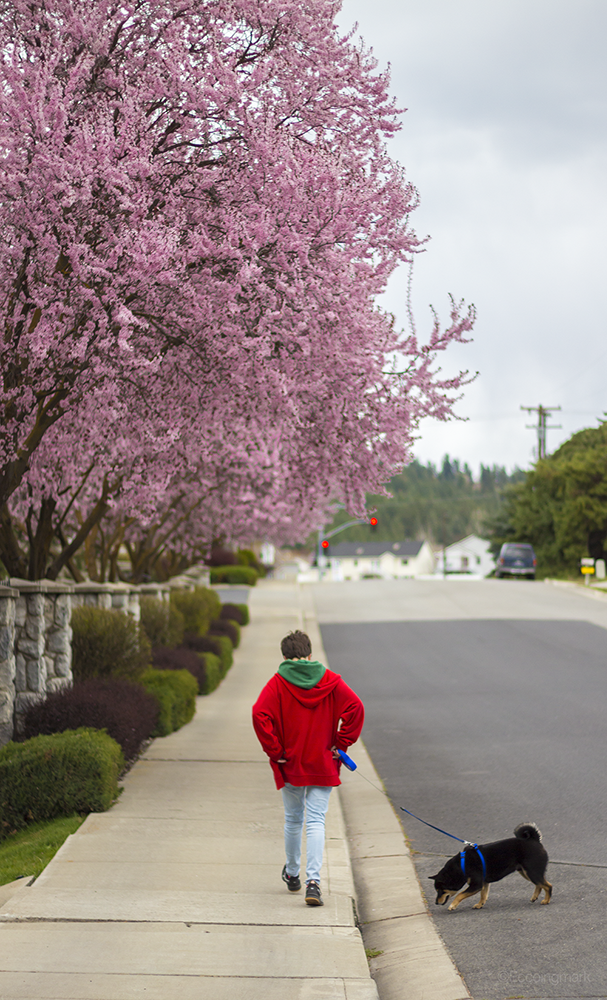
[(123, 708), (181, 658), (202, 643), (233, 612), (222, 557), (223, 626)]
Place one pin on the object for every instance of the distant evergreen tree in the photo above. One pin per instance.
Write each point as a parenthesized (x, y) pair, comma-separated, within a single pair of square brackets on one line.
[(440, 507)]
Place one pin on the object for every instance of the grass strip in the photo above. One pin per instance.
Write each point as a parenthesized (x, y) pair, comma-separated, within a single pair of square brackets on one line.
[(29, 851)]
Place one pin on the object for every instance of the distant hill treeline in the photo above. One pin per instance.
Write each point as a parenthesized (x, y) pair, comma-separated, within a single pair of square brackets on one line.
[(441, 506)]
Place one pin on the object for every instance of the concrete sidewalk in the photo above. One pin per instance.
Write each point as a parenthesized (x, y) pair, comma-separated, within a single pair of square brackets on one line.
[(176, 891)]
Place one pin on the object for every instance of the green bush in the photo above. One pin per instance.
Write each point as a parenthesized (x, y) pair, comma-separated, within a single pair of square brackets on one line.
[(175, 691), (199, 607), (213, 670), (234, 575), (226, 626), (225, 652), (162, 622), (235, 613), (71, 772), (246, 557), (107, 643)]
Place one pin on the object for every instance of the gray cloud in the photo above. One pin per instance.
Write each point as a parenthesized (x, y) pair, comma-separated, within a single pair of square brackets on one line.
[(505, 139)]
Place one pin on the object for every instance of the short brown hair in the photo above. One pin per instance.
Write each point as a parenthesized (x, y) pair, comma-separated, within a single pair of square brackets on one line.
[(296, 646)]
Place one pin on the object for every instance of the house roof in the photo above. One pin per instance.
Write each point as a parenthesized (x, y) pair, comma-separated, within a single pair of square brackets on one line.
[(352, 550)]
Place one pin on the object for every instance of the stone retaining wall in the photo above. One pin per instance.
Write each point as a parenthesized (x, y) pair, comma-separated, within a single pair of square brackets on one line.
[(36, 637)]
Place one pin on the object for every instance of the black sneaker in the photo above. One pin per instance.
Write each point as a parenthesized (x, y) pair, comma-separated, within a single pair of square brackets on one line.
[(313, 895), (293, 883)]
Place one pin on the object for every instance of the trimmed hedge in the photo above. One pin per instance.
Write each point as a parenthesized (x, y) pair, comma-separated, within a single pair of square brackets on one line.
[(202, 643), (199, 607), (182, 658), (234, 575), (223, 626), (225, 651), (107, 643), (246, 557), (213, 670), (125, 710), (58, 775), (236, 613), (175, 691), (162, 622)]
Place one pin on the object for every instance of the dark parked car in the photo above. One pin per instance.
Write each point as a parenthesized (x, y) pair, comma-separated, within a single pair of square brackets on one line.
[(516, 559)]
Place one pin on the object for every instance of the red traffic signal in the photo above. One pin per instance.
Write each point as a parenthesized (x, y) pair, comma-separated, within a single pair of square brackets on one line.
[(325, 544), (373, 522)]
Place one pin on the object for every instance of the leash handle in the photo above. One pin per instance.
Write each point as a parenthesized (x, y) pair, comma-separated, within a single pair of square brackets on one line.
[(346, 761)]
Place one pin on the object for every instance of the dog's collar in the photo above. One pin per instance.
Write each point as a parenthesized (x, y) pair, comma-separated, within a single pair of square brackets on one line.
[(462, 859)]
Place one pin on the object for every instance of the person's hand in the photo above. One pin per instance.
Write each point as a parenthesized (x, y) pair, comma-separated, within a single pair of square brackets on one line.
[(335, 752), (283, 760)]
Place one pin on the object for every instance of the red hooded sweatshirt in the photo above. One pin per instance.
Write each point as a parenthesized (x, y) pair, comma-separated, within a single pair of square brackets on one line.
[(301, 725)]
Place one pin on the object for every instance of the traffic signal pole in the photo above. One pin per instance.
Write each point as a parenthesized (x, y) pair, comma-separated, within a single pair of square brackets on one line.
[(323, 539)]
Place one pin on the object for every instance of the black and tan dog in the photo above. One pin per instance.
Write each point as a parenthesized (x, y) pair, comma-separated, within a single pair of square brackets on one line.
[(478, 866)]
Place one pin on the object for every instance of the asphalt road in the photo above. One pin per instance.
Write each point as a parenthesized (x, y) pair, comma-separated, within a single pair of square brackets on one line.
[(492, 713)]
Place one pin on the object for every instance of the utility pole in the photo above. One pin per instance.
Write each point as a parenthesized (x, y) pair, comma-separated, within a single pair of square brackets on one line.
[(542, 426)]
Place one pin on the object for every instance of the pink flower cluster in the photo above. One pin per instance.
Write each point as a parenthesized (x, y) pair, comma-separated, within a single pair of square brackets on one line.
[(197, 213)]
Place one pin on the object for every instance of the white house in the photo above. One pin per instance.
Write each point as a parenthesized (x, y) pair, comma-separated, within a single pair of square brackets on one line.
[(389, 560), (470, 556)]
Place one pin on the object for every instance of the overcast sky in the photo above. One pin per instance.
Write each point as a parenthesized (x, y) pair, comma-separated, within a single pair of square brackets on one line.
[(505, 139)]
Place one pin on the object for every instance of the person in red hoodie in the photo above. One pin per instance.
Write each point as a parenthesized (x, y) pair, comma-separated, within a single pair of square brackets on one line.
[(304, 714)]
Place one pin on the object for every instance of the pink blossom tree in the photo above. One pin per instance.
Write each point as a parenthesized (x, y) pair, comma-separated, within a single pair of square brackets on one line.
[(197, 212)]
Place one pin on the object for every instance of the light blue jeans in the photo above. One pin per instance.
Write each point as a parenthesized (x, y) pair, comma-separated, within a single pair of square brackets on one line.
[(314, 799)]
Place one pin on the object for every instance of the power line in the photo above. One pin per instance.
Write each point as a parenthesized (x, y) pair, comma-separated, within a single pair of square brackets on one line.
[(542, 426)]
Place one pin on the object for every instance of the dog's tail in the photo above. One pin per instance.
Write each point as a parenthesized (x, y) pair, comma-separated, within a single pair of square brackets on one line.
[(527, 831)]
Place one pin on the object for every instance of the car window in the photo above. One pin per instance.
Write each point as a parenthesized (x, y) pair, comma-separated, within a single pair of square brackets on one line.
[(519, 551)]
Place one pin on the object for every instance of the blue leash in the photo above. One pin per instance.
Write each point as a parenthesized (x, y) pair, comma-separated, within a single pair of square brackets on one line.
[(462, 854), (349, 763)]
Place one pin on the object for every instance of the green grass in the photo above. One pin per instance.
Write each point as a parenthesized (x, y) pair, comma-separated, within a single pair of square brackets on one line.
[(29, 851)]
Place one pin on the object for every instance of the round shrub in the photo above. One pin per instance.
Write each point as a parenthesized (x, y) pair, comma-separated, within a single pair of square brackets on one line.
[(182, 658), (198, 607), (243, 575), (222, 557), (223, 626), (213, 670), (58, 775), (162, 622), (236, 613), (107, 644), (202, 643), (175, 691), (127, 712), (246, 557)]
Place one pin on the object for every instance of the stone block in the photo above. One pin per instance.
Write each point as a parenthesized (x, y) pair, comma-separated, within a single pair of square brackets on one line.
[(7, 642), (58, 642), (24, 699), (35, 672), (20, 611), (34, 627), (31, 648), (7, 610), (58, 684), (63, 610), (20, 677), (35, 605), (63, 666)]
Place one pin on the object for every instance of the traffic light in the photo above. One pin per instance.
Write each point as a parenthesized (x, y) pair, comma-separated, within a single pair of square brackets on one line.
[(325, 546), (373, 523)]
